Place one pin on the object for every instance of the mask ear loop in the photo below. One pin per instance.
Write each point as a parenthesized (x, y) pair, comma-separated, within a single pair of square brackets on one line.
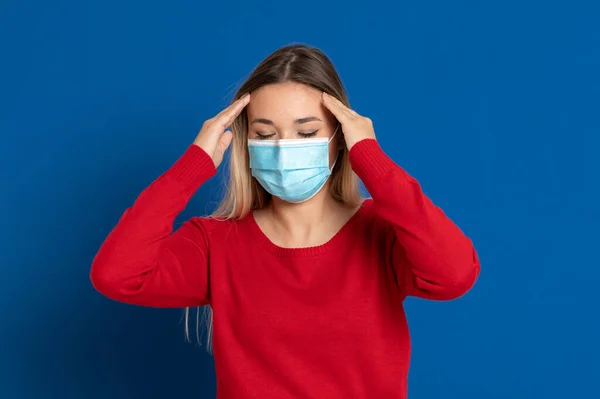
[(337, 154), (334, 133)]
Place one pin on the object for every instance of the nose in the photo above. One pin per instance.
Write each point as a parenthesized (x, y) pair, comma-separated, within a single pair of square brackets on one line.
[(287, 133)]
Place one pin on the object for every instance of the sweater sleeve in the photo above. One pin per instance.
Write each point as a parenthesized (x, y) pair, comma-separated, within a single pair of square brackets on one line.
[(143, 261), (430, 255)]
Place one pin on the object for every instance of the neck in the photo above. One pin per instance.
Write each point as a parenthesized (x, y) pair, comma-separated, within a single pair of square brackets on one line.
[(304, 223)]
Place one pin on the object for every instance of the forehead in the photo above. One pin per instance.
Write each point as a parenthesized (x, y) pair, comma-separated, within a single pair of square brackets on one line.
[(284, 102)]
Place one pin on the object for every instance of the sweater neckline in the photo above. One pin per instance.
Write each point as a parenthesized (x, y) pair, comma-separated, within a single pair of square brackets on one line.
[(305, 251)]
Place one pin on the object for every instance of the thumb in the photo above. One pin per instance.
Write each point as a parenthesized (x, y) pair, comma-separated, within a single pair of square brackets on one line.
[(225, 141)]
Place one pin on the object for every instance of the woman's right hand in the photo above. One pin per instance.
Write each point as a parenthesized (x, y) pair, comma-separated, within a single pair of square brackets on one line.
[(213, 138)]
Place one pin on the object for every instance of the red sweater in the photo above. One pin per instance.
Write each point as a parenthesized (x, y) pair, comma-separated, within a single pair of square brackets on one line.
[(318, 322)]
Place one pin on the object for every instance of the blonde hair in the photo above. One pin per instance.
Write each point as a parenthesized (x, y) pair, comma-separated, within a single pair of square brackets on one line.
[(294, 63)]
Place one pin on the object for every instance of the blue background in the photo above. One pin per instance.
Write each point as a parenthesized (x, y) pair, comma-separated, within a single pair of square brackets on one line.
[(492, 106)]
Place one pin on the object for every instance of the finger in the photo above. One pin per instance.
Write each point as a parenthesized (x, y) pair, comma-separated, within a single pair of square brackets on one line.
[(337, 108), (225, 141), (231, 106), (225, 117), (345, 107)]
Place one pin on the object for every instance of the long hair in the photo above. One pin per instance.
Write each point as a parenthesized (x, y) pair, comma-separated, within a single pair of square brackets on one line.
[(293, 63)]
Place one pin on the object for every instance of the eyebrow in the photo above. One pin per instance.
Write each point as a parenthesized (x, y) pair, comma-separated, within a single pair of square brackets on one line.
[(298, 121)]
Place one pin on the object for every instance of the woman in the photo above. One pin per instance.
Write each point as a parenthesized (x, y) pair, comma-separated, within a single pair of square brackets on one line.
[(306, 280)]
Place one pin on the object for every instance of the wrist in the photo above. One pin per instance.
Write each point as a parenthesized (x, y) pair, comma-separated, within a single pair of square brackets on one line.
[(369, 161), (352, 143), (193, 167)]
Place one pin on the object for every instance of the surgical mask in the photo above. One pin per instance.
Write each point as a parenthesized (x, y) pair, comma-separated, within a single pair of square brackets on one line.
[(293, 170)]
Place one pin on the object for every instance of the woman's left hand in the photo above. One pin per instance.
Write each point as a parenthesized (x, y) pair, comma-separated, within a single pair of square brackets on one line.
[(354, 126)]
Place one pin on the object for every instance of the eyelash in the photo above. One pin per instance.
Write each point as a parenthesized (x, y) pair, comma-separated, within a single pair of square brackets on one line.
[(303, 135)]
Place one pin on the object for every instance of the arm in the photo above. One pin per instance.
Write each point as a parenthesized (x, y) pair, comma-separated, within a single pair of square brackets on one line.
[(431, 256), (142, 261)]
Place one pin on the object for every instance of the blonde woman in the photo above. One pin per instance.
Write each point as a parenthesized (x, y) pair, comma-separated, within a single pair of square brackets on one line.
[(304, 278)]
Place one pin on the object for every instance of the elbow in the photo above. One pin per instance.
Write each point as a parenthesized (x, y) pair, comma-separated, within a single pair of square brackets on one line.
[(127, 289), (116, 290), (456, 282), (102, 283), (462, 280), (101, 272), (462, 284)]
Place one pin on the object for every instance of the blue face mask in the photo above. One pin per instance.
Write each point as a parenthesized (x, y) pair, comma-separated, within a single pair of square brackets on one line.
[(293, 170)]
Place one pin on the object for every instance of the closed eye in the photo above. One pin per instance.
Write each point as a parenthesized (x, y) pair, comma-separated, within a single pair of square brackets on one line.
[(262, 136), (309, 134)]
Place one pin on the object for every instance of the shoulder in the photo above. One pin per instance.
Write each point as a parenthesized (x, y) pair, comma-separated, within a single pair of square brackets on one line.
[(369, 218), (214, 227), (366, 211)]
